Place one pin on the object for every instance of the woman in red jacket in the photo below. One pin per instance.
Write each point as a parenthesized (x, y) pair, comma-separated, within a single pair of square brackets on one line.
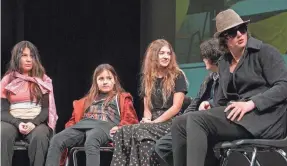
[(95, 117)]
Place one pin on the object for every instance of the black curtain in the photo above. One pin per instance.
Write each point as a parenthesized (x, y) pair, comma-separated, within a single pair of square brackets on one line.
[(74, 37)]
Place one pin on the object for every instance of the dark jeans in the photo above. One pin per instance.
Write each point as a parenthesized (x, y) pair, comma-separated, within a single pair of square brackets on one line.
[(38, 143), (70, 137), (194, 135), (163, 148)]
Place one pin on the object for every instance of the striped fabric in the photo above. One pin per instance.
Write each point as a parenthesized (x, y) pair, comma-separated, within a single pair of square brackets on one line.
[(18, 85)]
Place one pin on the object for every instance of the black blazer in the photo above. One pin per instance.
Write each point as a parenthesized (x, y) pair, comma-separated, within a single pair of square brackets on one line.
[(204, 93), (260, 76)]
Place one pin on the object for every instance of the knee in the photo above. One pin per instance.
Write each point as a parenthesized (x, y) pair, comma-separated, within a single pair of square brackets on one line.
[(196, 118), (179, 121), (41, 133), (92, 146), (8, 132), (40, 137), (56, 141), (164, 144), (92, 142), (158, 147)]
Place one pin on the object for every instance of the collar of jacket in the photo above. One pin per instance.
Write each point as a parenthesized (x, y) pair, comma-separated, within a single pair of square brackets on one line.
[(214, 76), (254, 43)]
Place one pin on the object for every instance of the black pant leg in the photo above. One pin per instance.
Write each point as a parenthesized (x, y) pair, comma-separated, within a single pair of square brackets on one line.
[(178, 132), (65, 139), (8, 135), (199, 128), (163, 148), (38, 139), (94, 139)]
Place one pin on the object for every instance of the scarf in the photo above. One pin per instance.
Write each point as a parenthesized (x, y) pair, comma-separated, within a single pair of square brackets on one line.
[(45, 85)]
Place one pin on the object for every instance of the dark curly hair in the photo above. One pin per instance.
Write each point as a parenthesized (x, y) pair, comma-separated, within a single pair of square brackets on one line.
[(209, 49)]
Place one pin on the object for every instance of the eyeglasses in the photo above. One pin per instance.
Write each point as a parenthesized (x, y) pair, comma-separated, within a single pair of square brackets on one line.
[(233, 31)]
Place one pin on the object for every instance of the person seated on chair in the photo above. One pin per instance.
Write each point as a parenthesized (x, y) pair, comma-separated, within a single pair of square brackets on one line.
[(95, 118), (27, 105), (250, 102), (204, 100), (163, 87)]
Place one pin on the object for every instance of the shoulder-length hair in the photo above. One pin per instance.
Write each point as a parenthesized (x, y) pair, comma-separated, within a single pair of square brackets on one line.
[(94, 90), (36, 71), (151, 68)]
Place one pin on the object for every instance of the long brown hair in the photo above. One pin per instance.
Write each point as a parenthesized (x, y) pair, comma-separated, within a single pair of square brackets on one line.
[(151, 68), (36, 71), (94, 90)]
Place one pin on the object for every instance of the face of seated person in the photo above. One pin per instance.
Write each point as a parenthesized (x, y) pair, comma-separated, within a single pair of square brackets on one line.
[(26, 61), (209, 66), (236, 37), (164, 56), (105, 81)]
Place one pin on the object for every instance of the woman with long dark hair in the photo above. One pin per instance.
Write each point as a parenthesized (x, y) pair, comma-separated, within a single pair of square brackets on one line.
[(27, 105)]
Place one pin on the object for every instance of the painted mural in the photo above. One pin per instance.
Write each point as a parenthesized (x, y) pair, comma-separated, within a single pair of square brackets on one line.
[(195, 23)]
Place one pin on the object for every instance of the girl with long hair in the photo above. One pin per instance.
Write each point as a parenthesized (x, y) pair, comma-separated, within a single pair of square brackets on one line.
[(27, 105), (163, 87), (95, 118)]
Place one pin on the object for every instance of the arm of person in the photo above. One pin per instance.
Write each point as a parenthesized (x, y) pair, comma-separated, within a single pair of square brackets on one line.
[(197, 100), (275, 73), (193, 105), (147, 112), (178, 98), (5, 113), (5, 105), (71, 121), (43, 116)]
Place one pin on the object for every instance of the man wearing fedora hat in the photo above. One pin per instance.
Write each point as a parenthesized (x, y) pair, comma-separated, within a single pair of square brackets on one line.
[(251, 102)]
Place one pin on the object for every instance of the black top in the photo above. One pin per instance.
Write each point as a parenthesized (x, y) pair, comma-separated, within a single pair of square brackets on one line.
[(231, 89), (98, 116), (157, 98)]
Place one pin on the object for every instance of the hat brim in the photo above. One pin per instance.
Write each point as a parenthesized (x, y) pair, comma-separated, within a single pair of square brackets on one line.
[(216, 34)]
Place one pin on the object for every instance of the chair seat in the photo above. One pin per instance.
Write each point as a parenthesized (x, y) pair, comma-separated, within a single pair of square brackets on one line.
[(107, 147), (253, 142)]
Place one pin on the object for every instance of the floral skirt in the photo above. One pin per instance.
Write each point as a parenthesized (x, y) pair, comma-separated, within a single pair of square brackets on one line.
[(134, 144)]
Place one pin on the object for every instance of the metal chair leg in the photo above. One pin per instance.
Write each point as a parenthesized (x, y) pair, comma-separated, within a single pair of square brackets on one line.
[(67, 162), (75, 161), (245, 154), (254, 154), (224, 157), (282, 153)]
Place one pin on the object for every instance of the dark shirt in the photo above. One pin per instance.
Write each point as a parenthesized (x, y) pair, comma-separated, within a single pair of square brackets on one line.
[(207, 92), (109, 112), (98, 115), (157, 99)]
